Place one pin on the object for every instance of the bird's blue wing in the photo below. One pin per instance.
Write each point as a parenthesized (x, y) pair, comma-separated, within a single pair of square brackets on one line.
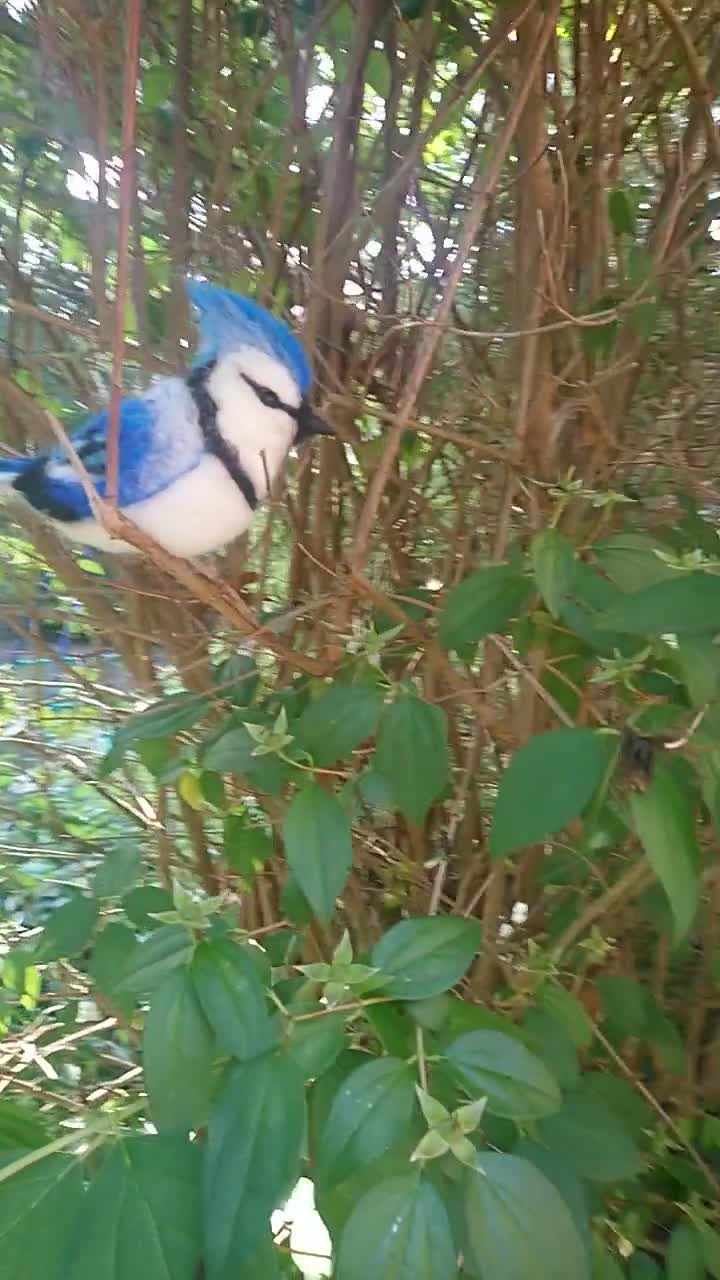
[(153, 451)]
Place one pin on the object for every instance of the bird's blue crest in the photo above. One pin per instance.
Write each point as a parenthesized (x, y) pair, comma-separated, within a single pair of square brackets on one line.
[(229, 323)]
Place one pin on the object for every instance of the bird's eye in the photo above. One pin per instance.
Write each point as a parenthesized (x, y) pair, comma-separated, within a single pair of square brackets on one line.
[(268, 398)]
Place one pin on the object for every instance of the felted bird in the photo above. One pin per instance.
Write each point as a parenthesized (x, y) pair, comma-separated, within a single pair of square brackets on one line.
[(196, 453)]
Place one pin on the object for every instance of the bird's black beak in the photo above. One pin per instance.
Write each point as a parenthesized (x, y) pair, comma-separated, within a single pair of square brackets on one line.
[(310, 424)]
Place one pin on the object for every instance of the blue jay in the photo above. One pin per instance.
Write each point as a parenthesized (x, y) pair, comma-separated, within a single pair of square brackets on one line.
[(198, 453)]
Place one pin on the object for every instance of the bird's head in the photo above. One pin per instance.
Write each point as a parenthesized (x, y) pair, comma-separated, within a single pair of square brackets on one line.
[(258, 366)]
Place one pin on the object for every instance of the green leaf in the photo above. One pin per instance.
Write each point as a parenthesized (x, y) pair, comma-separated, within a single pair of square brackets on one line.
[(598, 340), (254, 1146), (371, 1110), (663, 818), (399, 1230), (338, 721), (698, 658), (178, 1050), (426, 956), (245, 848), (518, 1226), (157, 85), (374, 791), (393, 1028), (68, 930), (591, 1138), (141, 906), (592, 594), (232, 998), (40, 1216), (142, 1214), (553, 561), (233, 753), (150, 961), (516, 1083), (237, 678), (481, 604), (316, 1043), (109, 957), (544, 1036), (212, 789), (21, 975), (643, 1267), (605, 1265), (665, 1037), (686, 605), (432, 1013), (624, 1006), (621, 212), (118, 871), (19, 1128), (568, 1011), (623, 1099), (412, 754), (565, 1180), (164, 718), (549, 782), (685, 1256), (631, 560), (711, 1248), (377, 72), (293, 903), (318, 847), (267, 1262), (644, 317)]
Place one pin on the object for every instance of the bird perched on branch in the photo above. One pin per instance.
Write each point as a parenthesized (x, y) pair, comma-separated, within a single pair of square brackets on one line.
[(196, 454)]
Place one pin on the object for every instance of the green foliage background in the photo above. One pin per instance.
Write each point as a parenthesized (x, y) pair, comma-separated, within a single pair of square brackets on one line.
[(410, 884)]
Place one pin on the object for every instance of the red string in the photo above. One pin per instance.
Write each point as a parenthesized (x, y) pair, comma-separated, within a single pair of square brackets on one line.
[(127, 179)]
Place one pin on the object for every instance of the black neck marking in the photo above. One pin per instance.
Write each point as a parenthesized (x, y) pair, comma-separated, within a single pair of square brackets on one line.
[(216, 444)]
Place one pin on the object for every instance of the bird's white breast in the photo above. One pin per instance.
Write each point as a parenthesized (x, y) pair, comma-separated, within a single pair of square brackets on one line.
[(200, 512)]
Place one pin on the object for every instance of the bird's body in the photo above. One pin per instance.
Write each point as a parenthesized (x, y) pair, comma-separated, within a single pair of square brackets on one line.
[(196, 454)]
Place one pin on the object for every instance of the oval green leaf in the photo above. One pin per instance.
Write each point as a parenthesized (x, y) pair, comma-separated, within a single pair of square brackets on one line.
[(338, 721), (425, 956), (369, 1113), (483, 603), (314, 1044), (412, 754), (553, 560), (621, 212), (605, 1265), (151, 960), (591, 1138), (518, 1225), (685, 1256), (318, 847), (41, 1215), (254, 1146), (163, 718), (118, 871), (233, 752), (644, 1267), (562, 1005), (663, 818), (398, 1230), (631, 560), (549, 782), (68, 930), (516, 1083), (688, 604), (232, 998), (178, 1047), (142, 1213)]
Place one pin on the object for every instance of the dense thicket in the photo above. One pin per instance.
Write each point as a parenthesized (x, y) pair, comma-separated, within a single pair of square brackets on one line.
[(426, 792)]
